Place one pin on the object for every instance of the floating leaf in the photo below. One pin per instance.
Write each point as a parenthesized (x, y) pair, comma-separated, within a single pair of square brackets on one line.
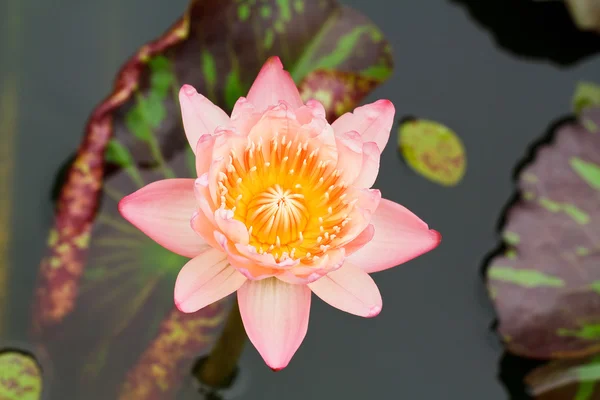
[(546, 286), (20, 377), (432, 150), (103, 308), (586, 95), (576, 379), (586, 14)]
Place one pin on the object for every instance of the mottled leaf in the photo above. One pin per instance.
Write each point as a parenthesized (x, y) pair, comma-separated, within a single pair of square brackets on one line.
[(587, 94), (572, 379), (546, 286), (20, 377), (103, 308), (432, 150)]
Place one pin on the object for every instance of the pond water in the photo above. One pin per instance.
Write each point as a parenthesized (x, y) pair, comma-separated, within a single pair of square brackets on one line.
[(433, 339)]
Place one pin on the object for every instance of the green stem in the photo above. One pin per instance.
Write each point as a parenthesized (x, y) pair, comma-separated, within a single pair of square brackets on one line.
[(135, 175), (218, 369), (157, 154)]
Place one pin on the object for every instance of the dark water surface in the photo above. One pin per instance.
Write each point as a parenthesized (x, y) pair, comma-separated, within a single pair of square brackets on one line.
[(433, 338)]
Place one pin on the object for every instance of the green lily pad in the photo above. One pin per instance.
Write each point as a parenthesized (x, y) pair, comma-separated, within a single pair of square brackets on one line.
[(103, 307), (546, 285), (20, 377), (433, 151)]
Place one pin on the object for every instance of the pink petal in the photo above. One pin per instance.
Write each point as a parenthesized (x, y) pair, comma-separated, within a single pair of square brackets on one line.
[(266, 260), (400, 236), (304, 274), (205, 228), (349, 289), (235, 230), (244, 116), (362, 239), (163, 210), (275, 315), (369, 166), (373, 121), (313, 109), (203, 197), (369, 199), (204, 149), (349, 147), (205, 279), (200, 115), (243, 261), (272, 85), (360, 216)]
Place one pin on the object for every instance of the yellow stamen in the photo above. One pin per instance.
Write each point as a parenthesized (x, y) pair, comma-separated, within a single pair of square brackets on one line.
[(291, 199)]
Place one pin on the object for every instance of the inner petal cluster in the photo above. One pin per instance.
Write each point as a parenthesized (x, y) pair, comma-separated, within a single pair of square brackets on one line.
[(290, 197)]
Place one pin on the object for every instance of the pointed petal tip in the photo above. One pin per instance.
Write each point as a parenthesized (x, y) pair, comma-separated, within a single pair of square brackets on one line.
[(386, 104), (436, 237), (274, 61), (276, 369), (185, 308), (127, 208), (187, 90), (374, 311), (181, 307), (122, 207), (272, 86)]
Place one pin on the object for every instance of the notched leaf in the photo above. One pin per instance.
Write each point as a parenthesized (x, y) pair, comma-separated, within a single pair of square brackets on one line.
[(546, 292), (99, 267)]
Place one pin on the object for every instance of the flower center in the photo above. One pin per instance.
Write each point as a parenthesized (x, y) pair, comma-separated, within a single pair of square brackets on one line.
[(277, 216), (292, 201)]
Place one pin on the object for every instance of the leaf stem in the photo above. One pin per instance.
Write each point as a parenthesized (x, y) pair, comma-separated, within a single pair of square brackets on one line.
[(135, 175), (157, 154), (219, 368)]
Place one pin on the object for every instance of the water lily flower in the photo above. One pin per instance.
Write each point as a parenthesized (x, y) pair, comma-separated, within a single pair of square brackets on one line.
[(282, 208)]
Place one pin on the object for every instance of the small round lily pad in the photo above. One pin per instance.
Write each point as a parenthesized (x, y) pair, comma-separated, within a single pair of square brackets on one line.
[(432, 150), (20, 377)]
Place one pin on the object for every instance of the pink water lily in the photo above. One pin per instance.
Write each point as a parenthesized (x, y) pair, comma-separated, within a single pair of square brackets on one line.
[(282, 208)]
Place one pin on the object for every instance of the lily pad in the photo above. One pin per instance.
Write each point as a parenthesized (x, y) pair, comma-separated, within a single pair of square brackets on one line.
[(103, 307), (575, 379), (546, 285), (432, 150), (20, 377), (586, 14)]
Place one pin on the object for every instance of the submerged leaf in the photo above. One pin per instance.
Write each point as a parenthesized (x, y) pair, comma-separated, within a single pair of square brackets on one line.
[(20, 377), (432, 150), (546, 287), (100, 268)]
